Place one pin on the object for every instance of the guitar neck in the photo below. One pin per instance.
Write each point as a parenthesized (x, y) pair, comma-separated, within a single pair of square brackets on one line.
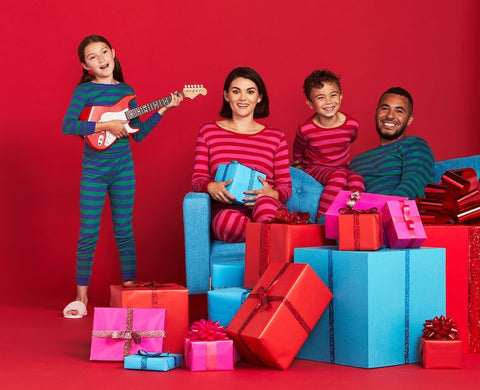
[(153, 106)]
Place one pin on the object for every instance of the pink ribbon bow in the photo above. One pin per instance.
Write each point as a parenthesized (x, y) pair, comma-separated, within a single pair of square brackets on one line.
[(206, 330)]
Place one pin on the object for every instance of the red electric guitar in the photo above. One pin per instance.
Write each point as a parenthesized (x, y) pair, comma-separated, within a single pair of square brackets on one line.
[(104, 139)]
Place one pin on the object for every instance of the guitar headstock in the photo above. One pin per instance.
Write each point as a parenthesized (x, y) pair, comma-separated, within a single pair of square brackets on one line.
[(192, 91)]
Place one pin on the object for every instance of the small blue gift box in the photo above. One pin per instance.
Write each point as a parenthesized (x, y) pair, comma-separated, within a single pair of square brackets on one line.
[(144, 360), (243, 179), (228, 274), (380, 302), (224, 303)]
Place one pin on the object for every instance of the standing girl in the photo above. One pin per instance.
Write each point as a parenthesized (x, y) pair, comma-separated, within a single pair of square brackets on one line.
[(240, 137), (109, 171)]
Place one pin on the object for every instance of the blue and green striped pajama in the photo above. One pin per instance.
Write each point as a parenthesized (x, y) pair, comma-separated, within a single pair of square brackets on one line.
[(105, 172)]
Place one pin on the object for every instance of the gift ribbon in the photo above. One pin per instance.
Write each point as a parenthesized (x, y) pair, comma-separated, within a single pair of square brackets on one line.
[(440, 328), (265, 247), (463, 180), (331, 321), (264, 302), (128, 334), (284, 216), (406, 344), (474, 289)]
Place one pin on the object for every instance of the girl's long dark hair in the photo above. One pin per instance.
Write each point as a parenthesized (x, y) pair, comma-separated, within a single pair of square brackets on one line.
[(86, 76)]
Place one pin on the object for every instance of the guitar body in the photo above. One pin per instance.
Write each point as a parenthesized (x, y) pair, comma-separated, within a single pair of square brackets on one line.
[(104, 139)]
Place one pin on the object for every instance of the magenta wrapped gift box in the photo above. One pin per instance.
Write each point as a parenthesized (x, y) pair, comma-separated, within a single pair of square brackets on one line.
[(218, 355), (119, 332), (403, 224), (366, 201)]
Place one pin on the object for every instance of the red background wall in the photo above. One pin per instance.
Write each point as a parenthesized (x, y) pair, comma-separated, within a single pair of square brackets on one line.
[(432, 50)]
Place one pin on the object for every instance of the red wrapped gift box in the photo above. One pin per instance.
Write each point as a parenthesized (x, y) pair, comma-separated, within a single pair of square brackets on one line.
[(440, 353), (462, 245), (360, 230), (170, 296), (274, 243), (276, 318)]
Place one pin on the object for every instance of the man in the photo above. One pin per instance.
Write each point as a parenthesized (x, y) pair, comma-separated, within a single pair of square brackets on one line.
[(401, 165)]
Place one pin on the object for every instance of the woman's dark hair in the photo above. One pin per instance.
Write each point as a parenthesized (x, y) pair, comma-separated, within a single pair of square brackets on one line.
[(86, 76), (262, 109)]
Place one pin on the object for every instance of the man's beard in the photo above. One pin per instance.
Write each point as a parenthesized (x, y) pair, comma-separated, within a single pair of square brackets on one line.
[(391, 136)]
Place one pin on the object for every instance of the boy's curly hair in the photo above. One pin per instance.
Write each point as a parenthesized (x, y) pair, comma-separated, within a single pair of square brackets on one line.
[(318, 78)]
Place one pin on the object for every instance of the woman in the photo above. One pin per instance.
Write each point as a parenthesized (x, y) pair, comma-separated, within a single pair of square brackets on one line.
[(240, 137)]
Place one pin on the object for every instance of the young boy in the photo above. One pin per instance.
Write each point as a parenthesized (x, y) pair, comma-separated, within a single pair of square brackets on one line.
[(322, 143)]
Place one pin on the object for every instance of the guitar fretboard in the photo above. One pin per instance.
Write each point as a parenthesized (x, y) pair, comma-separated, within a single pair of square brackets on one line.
[(156, 105)]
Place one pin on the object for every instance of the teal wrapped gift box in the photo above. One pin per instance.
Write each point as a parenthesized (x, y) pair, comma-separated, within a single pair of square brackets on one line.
[(224, 303), (143, 360), (380, 302), (228, 274), (243, 179)]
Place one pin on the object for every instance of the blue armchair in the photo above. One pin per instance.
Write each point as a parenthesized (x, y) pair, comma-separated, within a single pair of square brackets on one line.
[(201, 251)]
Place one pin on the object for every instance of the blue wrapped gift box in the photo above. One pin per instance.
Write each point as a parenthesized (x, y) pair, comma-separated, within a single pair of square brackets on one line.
[(224, 303), (228, 274), (143, 360), (243, 179), (380, 301)]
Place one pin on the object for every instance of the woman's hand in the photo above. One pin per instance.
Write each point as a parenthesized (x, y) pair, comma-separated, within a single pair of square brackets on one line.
[(218, 192), (116, 127), (177, 98), (266, 190)]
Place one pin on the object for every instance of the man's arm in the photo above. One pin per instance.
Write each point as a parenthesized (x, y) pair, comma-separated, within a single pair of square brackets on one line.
[(417, 170)]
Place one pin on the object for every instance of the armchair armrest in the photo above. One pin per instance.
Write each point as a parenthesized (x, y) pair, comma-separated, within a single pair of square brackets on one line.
[(196, 223)]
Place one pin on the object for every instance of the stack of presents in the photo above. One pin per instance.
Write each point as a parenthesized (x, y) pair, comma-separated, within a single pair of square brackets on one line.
[(386, 281)]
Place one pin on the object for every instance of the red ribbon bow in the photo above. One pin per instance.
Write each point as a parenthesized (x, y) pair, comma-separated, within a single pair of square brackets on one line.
[(348, 210), (296, 218), (440, 328), (207, 330)]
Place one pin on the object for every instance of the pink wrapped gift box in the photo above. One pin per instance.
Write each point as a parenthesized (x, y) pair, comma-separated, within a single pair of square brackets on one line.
[(215, 355), (403, 224), (119, 332), (365, 202)]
